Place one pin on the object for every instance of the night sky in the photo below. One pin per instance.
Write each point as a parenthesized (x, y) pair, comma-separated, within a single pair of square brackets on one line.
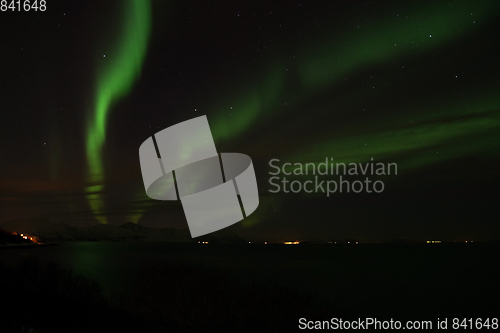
[(83, 84)]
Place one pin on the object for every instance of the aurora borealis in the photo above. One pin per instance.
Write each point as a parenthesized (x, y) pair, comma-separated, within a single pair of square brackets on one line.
[(411, 83), (114, 81)]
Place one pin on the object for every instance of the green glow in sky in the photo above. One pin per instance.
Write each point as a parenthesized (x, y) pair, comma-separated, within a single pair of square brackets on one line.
[(431, 139), (256, 102), (417, 29), (431, 26), (115, 79), (436, 134), (322, 66)]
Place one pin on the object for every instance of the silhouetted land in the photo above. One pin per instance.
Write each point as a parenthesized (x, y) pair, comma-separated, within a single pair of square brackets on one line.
[(220, 287)]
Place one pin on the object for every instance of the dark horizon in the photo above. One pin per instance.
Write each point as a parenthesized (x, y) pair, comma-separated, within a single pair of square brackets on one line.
[(45, 234)]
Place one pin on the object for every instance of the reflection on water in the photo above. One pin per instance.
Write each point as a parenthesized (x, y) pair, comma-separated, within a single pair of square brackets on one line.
[(359, 277)]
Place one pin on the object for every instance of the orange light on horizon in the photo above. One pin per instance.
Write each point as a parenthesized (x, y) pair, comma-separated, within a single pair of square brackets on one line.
[(33, 239), (288, 243)]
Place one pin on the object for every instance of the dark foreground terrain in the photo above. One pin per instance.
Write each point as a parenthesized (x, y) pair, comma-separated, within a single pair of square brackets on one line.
[(145, 287)]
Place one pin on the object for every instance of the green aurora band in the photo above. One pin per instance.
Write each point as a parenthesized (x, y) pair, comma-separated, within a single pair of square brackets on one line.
[(434, 25), (321, 66), (432, 138), (114, 81), (431, 26)]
